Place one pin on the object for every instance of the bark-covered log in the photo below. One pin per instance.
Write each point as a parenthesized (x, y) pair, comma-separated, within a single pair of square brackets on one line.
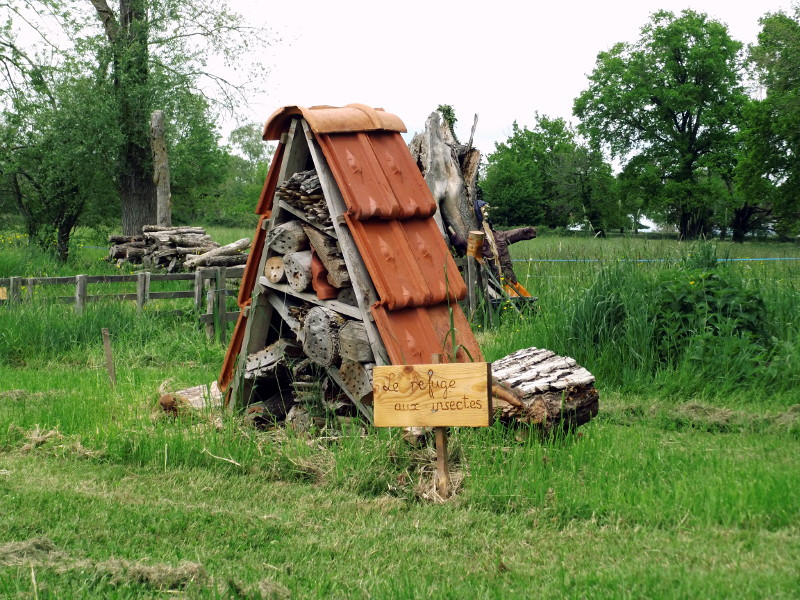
[(191, 239), (539, 387), (231, 249), (223, 261)]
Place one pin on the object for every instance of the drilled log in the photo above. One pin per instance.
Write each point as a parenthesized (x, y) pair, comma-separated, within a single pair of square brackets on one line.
[(274, 269), (321, 335), (347, 295), (354, 343), (287, 238), (357, 378), (539, 387), (298, 270), (264, 363)]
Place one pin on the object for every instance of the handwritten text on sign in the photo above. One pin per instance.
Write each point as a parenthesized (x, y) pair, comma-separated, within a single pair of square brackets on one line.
[(437, 395)]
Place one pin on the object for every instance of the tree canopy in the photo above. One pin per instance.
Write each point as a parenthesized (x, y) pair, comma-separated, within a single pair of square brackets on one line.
[(672, 98), (544, 176)]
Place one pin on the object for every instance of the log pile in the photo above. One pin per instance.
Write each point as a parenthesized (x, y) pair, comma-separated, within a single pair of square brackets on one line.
[(176, 249), (303, 192)]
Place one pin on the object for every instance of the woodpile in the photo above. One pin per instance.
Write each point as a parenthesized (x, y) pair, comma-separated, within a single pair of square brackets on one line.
[(176, 249)]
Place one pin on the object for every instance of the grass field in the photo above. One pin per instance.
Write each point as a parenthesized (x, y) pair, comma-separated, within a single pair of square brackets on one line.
[(684, 486)]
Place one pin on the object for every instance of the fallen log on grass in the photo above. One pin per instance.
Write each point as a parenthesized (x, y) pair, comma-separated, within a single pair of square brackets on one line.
[(230, 250), (539, 387)]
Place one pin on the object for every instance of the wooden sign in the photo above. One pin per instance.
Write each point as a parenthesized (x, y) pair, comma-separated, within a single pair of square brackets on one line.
[(435, 395)]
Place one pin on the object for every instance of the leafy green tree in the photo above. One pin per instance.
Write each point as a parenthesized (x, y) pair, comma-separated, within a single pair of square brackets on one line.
[(57, 167), (672, 98), (150, 54), (543, 176), (769, 170)]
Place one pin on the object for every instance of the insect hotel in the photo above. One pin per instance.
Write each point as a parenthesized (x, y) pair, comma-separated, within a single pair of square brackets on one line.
[(348, 268)]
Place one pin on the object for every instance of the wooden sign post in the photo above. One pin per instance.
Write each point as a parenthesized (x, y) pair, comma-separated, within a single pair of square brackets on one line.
[(434, 395)]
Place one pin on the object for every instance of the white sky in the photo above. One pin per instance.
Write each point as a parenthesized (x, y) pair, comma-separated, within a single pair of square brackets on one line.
[(501, 59)]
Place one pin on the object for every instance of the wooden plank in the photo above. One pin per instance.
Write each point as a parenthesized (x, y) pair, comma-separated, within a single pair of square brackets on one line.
[(112, 373), (433, 395), (220, 309), (206, 318), (345, 309), (300, 215), (15, 289), (362, 282), (171, 295)]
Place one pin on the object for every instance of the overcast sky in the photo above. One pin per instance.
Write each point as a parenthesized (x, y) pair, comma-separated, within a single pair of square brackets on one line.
[(500, 59)]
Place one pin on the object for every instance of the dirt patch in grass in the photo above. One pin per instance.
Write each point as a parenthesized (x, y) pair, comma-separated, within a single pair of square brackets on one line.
[(36, 551)]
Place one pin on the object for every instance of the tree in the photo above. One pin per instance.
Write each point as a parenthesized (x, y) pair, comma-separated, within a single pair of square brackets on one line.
[(769, 169), (543, 176), (152, 40), (55, 168), (672, 98)]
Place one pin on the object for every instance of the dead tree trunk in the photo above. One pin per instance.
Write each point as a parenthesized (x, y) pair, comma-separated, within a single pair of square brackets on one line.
[(451, 170), (160, 169), (539, 387)]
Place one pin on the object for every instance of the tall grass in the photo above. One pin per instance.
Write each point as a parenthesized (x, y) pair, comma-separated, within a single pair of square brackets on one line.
[(681, 323)]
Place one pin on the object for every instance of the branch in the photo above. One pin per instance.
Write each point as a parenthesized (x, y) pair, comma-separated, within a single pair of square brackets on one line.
[(106, 16)]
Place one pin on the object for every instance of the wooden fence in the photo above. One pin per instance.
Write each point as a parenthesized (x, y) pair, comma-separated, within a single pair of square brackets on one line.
[(209, 290)]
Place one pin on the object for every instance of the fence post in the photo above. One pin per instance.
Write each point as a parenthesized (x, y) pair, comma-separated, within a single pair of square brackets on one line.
[(198, 290), (210, 304), (221, 308), (474, 255), (29, 283), (142, 290), (15, 289), (80, 293)]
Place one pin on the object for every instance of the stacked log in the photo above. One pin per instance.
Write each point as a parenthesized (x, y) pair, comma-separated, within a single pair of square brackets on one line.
[(175, 249), (303, 192)]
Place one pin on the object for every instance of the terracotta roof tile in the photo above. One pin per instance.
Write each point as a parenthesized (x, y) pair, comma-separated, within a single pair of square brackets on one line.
[(333, 119), (375, 179)]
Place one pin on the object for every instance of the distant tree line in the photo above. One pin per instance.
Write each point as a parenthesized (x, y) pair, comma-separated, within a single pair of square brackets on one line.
[(706, 132)]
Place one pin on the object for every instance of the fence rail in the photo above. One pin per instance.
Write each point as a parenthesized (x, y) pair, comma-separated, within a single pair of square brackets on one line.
[(209, 290)]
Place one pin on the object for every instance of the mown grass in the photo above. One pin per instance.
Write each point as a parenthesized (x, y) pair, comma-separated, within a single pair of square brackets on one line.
[(684, 486)]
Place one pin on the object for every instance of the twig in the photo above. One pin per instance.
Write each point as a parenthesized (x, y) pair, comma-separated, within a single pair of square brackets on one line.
[(227, 460)]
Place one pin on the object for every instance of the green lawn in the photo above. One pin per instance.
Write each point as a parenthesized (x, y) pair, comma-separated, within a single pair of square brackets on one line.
[(684, 486)]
